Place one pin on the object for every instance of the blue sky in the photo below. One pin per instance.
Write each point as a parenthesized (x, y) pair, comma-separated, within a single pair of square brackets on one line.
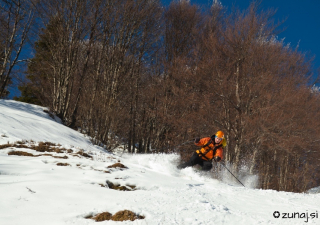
[(302, 25)]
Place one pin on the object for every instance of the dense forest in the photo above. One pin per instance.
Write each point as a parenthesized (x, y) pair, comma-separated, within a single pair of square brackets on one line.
[(152, 78)]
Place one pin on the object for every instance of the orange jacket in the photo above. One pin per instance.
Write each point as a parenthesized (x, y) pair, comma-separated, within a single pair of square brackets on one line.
[(209, 155)]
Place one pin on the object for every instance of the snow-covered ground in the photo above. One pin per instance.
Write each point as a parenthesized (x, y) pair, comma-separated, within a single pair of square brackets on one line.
[(34, 190)]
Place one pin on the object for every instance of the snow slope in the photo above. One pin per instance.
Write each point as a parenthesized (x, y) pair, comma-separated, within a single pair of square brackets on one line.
[(34, 190)]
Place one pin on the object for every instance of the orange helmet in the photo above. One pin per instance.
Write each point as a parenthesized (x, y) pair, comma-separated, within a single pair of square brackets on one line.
[(220, 134)]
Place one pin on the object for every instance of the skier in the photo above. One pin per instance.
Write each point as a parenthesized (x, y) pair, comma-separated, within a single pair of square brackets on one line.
[(212, 148)]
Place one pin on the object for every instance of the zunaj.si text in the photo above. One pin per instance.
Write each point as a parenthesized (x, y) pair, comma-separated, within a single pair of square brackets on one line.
[(296, 215)]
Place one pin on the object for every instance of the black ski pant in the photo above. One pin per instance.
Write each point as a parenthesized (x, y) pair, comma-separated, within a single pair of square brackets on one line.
[(196, 160)]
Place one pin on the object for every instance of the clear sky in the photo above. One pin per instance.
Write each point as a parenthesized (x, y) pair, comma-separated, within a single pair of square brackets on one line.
[(302, 25)]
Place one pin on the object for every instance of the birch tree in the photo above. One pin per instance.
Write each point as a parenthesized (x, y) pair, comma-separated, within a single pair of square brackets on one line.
[(16, 19)]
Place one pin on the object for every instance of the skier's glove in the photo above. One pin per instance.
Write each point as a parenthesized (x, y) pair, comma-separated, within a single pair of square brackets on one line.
[(217, 158), (196, 140)]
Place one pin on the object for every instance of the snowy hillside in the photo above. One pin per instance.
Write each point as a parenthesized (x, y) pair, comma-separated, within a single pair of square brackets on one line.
[(68, 184)]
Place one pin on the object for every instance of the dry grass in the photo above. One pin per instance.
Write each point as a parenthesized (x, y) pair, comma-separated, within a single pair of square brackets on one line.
[(104, 171), (21, 142), (118, 165), (120, 188), (41, 147), (46, 154), (5, 146), (21, 153), (84, 154), (44, 147), (63, 164), (119, 216), (21, 146), (126, 215), (102, 217), (133, 187), (60, 157)]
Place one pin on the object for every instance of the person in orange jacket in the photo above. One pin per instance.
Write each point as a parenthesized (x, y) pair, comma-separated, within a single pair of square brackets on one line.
[(212, 148)]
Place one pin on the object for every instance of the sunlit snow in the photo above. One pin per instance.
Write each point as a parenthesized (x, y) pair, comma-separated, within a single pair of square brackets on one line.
[(34, 190)]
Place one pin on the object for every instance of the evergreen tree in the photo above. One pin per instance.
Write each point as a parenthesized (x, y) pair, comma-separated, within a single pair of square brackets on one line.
[(36, 89)]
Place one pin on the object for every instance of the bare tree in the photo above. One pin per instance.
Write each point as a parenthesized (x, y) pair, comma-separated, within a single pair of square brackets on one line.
[(234, 76), (259, 92), (62, 53), (128, 32), (16, 18), (129, 72)]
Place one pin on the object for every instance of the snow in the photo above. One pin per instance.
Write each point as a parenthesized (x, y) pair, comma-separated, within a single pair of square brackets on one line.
[(34, 190), (314, 190)]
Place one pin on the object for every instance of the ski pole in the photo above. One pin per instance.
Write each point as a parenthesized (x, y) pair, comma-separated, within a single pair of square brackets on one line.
[(231, 173)]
